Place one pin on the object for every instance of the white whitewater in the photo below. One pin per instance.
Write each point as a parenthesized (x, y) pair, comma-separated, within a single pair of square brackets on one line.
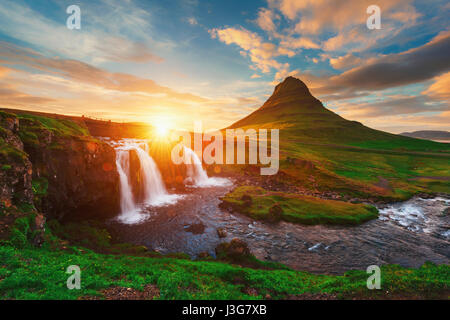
[(155, 193), (196, 175), (419, 215)]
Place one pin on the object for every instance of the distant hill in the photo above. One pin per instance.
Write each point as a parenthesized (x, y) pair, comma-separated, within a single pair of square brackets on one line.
[(324, 153), (302, 118), (428, 135), (98, 128)]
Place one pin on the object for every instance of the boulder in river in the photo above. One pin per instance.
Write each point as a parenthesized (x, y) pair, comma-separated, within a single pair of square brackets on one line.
[(221, 233), (234, 250)]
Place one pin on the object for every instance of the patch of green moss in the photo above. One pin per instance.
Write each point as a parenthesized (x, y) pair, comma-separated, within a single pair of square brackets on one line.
[(40, 186), (28, 137), (21, 232), (59, 127), (297, 208), (10, 153)]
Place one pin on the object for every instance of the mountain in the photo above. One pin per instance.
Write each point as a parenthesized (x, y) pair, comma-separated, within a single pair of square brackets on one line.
[(302, 118), (322, 152), (429, 135)]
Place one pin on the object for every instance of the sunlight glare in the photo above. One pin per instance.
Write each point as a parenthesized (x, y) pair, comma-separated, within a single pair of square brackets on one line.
[(162, 129)]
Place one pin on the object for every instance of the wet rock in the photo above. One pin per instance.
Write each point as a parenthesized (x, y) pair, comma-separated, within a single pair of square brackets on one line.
[(39, 230), (221, 232), (203, 255), (275, 213), (235, 250), (446, 211), (195, 228)]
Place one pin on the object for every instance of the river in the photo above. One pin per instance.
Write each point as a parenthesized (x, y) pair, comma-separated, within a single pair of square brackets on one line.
[(408, 234)]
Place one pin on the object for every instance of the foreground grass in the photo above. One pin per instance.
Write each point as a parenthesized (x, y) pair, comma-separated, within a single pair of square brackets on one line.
[(263, 205), (31, 273), (28, 272)]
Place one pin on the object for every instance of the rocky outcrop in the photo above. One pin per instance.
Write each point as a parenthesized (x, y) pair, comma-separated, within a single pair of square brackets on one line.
[(15, 167), (235, 250), (72, 174)]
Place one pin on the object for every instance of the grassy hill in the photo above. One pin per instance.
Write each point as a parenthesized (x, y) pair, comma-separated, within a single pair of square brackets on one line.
[(321, 151)]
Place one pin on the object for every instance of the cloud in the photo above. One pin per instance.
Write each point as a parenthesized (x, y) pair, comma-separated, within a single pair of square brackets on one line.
[(261, 53), (3, 71), (316, 16), (390, 106), (12, 97), (345, 62), (108, 41), (266, 19), (192, 21), (440, 89), (388, 71), (413, 122), (32, 81), (80, 71), (296, 43)]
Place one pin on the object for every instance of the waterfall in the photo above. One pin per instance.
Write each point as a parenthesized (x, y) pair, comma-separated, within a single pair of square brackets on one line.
[(155, 193), (154, 190), (129, 211), (196, 175)]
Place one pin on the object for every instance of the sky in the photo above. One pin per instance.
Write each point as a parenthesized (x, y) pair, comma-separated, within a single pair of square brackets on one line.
[(177, 61)]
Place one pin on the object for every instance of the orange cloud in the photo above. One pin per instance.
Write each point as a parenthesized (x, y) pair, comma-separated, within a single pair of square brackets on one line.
[(261, 53), (345, 62), (75, 88), (3, 71), (318, 15), (440, 89)]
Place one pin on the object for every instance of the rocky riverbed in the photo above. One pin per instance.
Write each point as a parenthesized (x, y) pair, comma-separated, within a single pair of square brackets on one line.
[(408, 234)]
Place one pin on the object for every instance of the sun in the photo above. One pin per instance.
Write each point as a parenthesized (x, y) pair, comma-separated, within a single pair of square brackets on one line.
[(162, 129)]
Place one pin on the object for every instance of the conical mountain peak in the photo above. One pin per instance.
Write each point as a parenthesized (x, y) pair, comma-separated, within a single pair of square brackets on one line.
[(291, 85)]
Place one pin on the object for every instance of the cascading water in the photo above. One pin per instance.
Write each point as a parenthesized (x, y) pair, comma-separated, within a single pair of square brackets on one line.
[(196, 175), (129, 211), (155, 193)]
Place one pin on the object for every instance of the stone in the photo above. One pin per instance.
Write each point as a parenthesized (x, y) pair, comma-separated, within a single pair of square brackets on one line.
[(234, 250), (221, 233)]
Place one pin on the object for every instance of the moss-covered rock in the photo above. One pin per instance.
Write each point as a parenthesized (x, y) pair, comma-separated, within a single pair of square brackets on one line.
[(58, 165), (15, 167), (297, 208)]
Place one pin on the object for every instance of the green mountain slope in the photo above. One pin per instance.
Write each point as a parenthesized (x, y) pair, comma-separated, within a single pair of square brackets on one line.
[(322, 152), (302, 118)]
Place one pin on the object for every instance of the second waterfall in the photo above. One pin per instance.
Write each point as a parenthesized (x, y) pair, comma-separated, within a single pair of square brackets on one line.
[(153, 188)]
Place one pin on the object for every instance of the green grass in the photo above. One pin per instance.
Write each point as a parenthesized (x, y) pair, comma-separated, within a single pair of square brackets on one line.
[(357, 172), (297, 208), (401, 143), (27, 272), (9, 154), (31, 273), (59, 127)]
